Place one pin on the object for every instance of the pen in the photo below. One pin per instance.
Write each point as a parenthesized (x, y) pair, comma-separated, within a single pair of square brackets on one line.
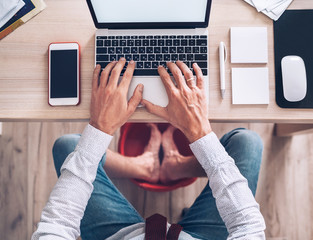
[(223, 58)]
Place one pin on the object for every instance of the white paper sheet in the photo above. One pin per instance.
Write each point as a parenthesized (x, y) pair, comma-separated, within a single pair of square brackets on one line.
[(8, 8), (250, 86)]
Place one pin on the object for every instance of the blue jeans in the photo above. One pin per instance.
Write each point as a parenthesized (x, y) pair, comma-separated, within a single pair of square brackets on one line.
[(108, 211)]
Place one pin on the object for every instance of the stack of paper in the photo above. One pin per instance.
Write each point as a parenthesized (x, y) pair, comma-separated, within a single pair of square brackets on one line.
[(14, 13), (272, 8), (8, 8)]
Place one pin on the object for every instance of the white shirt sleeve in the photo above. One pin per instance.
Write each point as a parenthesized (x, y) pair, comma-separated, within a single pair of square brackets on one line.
[(234, 199), (60, 219)]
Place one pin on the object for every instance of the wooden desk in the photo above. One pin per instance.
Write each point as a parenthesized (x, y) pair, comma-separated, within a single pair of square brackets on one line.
[(24, 64)]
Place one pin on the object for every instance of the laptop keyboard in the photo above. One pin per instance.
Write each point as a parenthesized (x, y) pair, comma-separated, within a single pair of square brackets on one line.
[(151, 51)]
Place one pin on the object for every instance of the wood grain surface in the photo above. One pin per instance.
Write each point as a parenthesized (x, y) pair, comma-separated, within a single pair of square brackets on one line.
[(24, 65)]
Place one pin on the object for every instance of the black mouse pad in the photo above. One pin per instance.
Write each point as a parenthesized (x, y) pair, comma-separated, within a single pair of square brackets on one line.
[(293, 35)]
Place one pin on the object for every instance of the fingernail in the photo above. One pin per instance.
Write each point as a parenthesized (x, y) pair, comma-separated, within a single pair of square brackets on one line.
[(196, 65), (141, 87), (122, 58), (132, 62)]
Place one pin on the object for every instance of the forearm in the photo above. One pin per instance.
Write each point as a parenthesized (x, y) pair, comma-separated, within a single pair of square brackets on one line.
[(234, 199), (62, 214)]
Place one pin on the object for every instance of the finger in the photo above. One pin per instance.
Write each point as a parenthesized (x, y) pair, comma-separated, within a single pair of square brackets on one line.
[(199, 75), (154, 109), (190, 80), (105, 74), (95, 77), (128, 76), (166, 79), (116, 72), (135, 99), (177, 74)]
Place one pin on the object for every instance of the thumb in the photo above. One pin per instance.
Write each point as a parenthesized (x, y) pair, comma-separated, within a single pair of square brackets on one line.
[(157, 110), (135, 99)]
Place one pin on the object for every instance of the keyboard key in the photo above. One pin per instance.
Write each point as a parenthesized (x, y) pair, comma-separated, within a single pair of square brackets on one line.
[(133, 37), (128, 57), (134, 50), (176, 42), (192, 42), (142, 50), (157, 50), (158, 57), (99, 43), (111, 50), (165, 50), (119, 56), (136, 57), (113, 57), (203, 65), (103, 64), (196, 36), (126, 49), (168, 42), (153, 42), (163, 64), (143, 57), (190, 57), (180, 36), (183, 42), (107, 43), (102, 37), (172, 37), (119, 50), (146, 72), (174, 57), (203, 36), (149, 49), (122, 43), (167, 57), (203, 49), (102, 50), (201, 57), (137, 42), (180, 49), (102, 58), (149, 37), (202, 42), (155, 65), (188, 36), (142, 37), (204, 72), (115, 43), (145, 43), (119, 37), (151, 57), (161, 43), (111, 37), (147, 64), (130, 43), (126, 37), (139, 65), (196, 50), (187, 49), (173, 50), (182, 57)]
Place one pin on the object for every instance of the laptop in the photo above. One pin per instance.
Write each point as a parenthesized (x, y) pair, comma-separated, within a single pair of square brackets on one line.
[(152, 32)]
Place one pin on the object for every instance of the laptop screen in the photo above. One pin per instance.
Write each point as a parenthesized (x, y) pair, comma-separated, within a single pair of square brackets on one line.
[(150, 13)]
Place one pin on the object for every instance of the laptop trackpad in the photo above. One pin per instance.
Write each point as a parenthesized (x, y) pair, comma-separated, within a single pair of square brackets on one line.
[(154, 90)]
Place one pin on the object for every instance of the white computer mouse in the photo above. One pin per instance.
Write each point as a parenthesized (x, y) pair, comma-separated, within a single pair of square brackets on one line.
[(294, 78)]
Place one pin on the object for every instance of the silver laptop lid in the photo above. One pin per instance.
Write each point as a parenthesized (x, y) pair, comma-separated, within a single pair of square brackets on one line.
[(147, 14)]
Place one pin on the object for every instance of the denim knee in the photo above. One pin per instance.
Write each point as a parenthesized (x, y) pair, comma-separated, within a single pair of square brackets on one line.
[(62, 147)]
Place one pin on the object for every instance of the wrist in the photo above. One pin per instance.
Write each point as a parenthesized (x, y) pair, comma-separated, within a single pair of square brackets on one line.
[(105, 129), (198, 132)]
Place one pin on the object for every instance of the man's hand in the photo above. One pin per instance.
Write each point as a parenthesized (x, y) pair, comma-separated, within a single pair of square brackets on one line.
[(187, 108), (109, 106)]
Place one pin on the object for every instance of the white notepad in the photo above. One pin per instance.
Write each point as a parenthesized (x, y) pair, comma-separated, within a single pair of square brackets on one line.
[(250, 86), (249, 45)]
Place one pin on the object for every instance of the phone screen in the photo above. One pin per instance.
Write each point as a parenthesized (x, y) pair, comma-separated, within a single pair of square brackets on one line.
[(63, 74)]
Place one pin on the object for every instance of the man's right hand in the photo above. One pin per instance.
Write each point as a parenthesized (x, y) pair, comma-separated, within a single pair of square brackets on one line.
[(187, 109)]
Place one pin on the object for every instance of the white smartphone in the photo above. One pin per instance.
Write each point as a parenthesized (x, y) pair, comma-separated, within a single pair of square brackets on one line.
[(64, 77)]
